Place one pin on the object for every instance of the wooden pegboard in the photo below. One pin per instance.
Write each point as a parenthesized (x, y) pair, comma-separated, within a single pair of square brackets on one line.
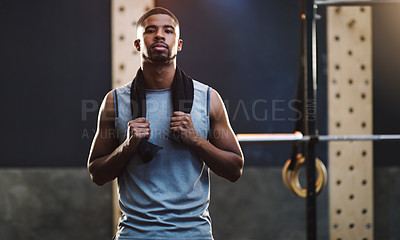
[(349, 36), (125, 60)]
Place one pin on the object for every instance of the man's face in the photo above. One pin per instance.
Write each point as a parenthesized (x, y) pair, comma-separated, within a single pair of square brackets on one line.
[(158, 39)]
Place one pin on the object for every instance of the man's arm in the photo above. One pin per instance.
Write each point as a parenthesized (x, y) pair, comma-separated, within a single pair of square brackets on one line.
[(222, 154), (107, 159)]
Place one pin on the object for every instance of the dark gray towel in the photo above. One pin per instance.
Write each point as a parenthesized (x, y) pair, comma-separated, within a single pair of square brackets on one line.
[(182, 100)]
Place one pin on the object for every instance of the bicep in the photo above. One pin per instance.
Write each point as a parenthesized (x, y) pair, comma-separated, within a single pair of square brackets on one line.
[(221, 132), (105, 140)]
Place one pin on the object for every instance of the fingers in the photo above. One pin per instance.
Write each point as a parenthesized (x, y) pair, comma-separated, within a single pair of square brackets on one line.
[(180, 122), (139, 125), (140, 133), (180, 117), (139, 128), (139, 120), (178, 113)]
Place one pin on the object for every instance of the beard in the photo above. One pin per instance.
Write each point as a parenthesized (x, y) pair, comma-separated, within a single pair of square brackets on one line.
[(158, 56)]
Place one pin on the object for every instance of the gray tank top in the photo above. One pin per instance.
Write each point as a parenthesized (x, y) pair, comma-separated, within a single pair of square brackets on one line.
[(168, 197)]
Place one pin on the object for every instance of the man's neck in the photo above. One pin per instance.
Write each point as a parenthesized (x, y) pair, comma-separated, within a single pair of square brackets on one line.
[(158, 76)]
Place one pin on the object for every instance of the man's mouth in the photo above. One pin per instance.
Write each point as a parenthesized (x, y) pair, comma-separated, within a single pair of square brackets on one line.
[(160, 47)]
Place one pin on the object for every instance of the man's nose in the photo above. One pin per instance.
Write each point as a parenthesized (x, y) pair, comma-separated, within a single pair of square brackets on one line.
[(159, 35)]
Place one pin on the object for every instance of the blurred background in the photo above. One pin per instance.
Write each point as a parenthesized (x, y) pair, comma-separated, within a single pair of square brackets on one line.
[(55, 69)]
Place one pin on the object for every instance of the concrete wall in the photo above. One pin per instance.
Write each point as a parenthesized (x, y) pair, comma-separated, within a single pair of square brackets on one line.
[(259, 206), (387, 203), (49, 204), (64, 204)]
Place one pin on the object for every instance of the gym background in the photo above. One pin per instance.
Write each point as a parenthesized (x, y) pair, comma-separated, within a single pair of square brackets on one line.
[(55, 68)]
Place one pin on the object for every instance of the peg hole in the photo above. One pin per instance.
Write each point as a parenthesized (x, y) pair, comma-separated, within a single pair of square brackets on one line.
[(350, 81), (364, 153), (351, 23), (350, 53), (335, 226), (364, 182), (362, 67), (363, 96)]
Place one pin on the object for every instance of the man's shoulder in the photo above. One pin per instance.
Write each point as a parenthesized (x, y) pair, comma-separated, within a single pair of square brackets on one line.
[(199, 86), (126, 88)]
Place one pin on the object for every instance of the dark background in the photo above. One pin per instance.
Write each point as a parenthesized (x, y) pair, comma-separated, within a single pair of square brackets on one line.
[(55, 57)]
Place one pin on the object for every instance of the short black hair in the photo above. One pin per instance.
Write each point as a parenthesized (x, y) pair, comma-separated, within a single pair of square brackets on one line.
[(156, 10)]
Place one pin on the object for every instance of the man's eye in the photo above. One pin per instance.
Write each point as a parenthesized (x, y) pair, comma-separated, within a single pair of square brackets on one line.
[(168, 31), (150, 31)]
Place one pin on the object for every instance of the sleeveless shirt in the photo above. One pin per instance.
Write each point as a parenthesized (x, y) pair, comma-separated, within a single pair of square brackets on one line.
[(168, 197)]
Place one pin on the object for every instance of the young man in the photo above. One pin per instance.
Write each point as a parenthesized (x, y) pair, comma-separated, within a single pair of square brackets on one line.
[(159, 135)]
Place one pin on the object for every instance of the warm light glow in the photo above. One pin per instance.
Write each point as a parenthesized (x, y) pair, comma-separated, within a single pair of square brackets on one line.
[(270, 136)]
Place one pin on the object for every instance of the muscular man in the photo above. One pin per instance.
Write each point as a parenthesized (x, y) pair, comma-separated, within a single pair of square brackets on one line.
[(159, 135)]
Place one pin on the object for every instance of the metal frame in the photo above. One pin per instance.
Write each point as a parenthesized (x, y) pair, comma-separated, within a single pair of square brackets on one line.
[(310, 103), (298, 137)]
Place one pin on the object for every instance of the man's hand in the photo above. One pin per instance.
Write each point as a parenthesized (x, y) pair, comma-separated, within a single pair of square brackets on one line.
[(181, 123), (137, 130)]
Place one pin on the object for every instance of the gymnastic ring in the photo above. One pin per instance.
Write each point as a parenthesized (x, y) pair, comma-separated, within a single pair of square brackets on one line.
[(319, 184), (287, 176), (291, 178)]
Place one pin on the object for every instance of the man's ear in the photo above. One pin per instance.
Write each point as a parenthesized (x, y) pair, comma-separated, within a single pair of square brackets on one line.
[(137, 44), (180, 44)]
